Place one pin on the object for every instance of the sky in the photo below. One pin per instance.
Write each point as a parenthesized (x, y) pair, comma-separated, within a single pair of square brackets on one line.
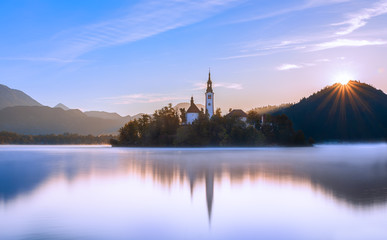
[(137, 56)]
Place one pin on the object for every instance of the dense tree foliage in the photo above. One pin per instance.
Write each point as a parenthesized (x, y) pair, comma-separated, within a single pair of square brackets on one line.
[(14, 138), (165, 128)]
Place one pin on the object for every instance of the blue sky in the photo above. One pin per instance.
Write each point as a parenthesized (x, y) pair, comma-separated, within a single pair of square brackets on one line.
[(137, 56)]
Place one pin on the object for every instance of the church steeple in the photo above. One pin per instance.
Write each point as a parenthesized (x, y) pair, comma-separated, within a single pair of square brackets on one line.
[(209, 96), (209, 83)]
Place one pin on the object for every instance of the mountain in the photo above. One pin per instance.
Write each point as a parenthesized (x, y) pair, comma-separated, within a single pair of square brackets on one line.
[(45, 120), (60, 105), (21, 114), (137, 116), (105, 115), (112, 116), (186, 106), (270, 108), (351, 112), (12, 97)]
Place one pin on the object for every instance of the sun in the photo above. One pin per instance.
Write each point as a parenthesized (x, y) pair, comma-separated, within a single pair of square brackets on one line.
[(342, 78)]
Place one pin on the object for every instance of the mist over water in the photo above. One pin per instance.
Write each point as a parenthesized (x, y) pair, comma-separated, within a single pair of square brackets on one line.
[(86, 192)]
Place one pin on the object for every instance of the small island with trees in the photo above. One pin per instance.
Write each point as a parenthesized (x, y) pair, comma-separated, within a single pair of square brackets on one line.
[(166, 128), (195, 128)]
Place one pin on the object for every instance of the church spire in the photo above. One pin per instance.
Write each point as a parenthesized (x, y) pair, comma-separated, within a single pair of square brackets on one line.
[(209, 82), (192, 101)]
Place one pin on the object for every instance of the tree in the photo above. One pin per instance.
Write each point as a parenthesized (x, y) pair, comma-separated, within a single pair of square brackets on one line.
[(129, 134), (163, 128), (183, 116)]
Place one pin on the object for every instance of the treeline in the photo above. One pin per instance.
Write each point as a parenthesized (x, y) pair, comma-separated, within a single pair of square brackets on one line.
[(269, 109), (14, 138), (164, 128)]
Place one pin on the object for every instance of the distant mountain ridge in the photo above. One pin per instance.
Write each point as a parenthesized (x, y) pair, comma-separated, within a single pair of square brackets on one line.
[(45, 120), (271, 108), (105, 115), (186, 106), (12, 97), (352, 112), (64, 107), (22, 114)]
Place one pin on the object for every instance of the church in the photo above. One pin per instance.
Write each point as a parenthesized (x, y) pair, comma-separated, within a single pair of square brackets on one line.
[(193, 111)]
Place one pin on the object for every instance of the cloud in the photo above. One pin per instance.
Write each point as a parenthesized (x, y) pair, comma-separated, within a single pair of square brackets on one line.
[(359, 19), (307, 5), (236, 86), (41, 59), (144, 20), (267, 49), (323, 60), (348, 43), (242, 56), (142, 98), (287, 66)]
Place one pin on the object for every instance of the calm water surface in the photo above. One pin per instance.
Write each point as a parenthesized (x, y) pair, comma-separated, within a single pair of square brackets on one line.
[(82, 192)]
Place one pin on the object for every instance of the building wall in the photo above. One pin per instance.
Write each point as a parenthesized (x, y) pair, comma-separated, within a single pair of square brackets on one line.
[(191, 117), (210, 103)]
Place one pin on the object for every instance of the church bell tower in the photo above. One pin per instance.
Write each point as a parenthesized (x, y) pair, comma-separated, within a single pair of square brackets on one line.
[(209, 97)]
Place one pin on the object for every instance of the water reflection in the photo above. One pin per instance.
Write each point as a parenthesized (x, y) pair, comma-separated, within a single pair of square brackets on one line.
[(353, 174)]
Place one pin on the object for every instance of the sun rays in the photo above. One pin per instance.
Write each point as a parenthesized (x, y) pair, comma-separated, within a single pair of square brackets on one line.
[(343, 78), (341, 96)]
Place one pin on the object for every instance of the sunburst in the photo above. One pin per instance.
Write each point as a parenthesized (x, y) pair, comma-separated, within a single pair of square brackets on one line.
[(343, 78), (342, 93)]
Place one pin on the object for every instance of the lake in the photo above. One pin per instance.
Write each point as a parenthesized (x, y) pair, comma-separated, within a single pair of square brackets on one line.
[(98, 192)]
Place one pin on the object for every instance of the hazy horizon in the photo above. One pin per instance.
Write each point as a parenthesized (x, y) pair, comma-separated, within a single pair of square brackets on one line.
[(132, 57)]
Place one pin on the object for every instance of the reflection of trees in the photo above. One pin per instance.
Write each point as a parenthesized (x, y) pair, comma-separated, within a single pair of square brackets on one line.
[(23, 171), (357, 179)]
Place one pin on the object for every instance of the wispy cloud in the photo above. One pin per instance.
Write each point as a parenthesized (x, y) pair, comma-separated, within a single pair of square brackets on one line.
[(236, 86), (307, 5), (268, 48), (142, 98), (323, 60), (41, 59), (314, 41), (348, 43), (288, 66), (142, 21), (360, 19), (291, 66), (243, 56)]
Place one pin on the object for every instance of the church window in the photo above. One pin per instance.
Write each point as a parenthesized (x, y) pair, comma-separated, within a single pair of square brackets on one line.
[(209, 96)]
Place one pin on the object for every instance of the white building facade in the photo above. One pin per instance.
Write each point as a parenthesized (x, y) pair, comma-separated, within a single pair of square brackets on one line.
[(192, 113), (209, 97)]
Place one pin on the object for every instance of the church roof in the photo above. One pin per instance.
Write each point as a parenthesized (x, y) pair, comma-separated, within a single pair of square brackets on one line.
[(193, 108), (209, 84), (237, 113)]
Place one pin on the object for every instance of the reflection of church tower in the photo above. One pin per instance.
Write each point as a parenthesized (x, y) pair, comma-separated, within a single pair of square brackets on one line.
[(209, 97), (192, 178), (209, 191)]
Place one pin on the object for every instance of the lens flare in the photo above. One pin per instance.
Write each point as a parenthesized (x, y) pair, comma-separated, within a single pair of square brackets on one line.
[(343, 78)]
